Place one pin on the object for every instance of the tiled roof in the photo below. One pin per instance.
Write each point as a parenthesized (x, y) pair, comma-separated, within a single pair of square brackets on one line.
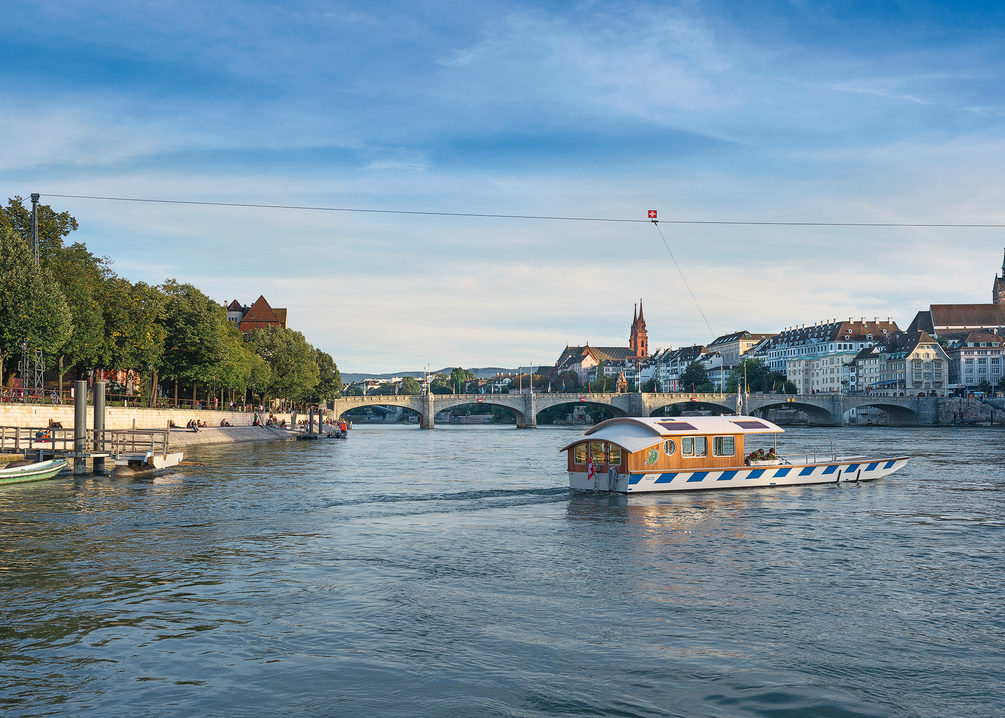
[(737, 336), (967, 316)]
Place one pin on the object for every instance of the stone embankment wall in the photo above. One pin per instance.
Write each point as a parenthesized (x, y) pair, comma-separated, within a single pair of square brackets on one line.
[(117, 417), (968, 411)]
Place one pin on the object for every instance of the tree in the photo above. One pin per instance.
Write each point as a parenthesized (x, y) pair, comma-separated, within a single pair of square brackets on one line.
[(194, 333), (649, 386), (756, 371), (52, 227), (440, 385), (459, 379), (32, 309), (694, 379), (80, 276), (410, 386), (133, 317), (292, 361), (566, 381), (329, 379)]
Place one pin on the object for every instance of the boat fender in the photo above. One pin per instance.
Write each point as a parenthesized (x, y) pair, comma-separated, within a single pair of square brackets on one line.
[(839, 477)]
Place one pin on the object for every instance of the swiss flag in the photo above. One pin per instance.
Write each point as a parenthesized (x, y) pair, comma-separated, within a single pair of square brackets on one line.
[(590, 470), (652, 214)]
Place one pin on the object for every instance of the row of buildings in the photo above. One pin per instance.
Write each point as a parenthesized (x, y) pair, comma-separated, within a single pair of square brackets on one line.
[(948, 348)]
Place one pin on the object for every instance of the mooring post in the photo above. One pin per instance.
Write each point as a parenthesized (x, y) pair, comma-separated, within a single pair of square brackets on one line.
[(98, 462), (80, 428), (310, 420)]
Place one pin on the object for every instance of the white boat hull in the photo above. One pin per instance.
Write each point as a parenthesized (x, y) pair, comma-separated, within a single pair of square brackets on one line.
[(829, 472)]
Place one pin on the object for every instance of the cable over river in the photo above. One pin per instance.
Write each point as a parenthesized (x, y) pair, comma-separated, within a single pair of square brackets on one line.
[(416, 573)]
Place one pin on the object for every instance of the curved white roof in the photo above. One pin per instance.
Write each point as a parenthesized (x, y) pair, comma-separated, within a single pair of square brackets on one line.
[(637, 433)]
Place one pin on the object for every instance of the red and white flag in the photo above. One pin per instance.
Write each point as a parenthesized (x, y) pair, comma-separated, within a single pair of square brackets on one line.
[(590, 470), (652, 214)]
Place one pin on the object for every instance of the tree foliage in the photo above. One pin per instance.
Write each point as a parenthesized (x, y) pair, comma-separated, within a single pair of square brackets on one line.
[(293, 363), (52, 226), (694, 379), (32, 309), (329, 379), (410, 386)]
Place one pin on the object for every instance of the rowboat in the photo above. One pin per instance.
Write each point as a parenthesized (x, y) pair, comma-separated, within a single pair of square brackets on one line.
[(37, 471), (633, 455)]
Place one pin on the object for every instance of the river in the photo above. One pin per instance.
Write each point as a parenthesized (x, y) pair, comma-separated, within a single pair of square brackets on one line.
[(451, 573)]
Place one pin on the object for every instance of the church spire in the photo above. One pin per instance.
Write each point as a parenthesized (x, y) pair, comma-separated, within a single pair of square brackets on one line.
[(642, 320)]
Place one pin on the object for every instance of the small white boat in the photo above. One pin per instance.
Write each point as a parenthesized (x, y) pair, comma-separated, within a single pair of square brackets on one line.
[(144, 464), (633, 455), (37, 471)]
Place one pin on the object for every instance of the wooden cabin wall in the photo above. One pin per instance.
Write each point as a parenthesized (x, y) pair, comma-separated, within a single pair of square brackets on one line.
[(637, 460)]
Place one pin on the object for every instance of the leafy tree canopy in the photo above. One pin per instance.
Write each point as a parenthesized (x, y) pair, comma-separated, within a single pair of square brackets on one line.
[(292, 361), (194, 333), (694, 379), (32, 308), (329, 379), (52, 226), (410, 386)]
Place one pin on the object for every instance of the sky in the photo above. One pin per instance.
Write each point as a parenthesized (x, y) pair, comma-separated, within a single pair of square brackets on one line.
[(760, 111)]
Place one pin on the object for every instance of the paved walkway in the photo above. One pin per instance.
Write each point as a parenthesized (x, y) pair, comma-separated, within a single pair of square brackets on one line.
[(181, 438)]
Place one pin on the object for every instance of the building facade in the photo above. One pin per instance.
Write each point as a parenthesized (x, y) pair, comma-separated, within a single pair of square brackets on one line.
[(976, 361)]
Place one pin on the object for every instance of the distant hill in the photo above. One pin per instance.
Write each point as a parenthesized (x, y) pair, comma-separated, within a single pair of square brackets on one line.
[(480, 373)]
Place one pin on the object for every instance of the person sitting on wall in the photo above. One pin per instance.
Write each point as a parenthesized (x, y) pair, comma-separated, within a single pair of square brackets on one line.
[(171, 424)]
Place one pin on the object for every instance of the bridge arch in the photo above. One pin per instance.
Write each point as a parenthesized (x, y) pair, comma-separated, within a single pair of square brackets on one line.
[(817, 415), (446, 402), (542, 406), (692, 405), (897, 414)]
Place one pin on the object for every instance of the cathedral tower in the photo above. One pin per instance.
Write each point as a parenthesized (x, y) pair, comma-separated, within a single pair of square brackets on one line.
[(998, 290), (638, 341)]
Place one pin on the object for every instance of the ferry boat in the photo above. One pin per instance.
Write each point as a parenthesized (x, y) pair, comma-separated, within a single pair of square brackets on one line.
[(632, 455)]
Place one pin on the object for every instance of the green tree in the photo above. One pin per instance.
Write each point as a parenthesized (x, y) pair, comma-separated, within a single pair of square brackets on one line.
[(354, 390), (459, 379), (81, 276), (649, 386), (32, 308), (410, 386), (292, 361), (566, 381), (440, 385), (241, 369), (756, 370), (694, 379), (134, 319), (195, 330), (329, 379), (52, 226)]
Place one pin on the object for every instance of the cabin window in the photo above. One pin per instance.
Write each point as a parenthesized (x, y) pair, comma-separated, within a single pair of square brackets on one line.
[(615, 455), (694, 446), (669, 447), (597, 452), (723, 446), (579, 454)]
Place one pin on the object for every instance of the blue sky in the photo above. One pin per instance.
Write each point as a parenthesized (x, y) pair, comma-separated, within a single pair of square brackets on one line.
[(761, 111)]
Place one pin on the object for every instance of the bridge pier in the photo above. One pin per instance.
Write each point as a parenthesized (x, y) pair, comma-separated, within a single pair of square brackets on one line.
[(529, 413), (426, 418)]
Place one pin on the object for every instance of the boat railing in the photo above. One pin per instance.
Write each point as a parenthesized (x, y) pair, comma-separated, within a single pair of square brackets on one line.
[(811, 456)]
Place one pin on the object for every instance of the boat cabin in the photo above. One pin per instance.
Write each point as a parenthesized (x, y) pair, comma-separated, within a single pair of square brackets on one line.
[(631, 445)]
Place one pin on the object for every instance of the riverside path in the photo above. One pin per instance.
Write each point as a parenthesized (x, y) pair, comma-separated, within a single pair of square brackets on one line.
[(821, 409)]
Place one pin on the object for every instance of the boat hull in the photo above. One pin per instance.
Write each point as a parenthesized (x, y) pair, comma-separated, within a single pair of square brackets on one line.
[(829, 472), (33, 472)]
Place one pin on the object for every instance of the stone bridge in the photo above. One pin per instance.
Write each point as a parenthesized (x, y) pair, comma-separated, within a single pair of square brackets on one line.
[(822, 409)]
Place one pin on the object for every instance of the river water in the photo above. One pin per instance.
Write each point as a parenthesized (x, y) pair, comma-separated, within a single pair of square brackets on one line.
[(451, 573)]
